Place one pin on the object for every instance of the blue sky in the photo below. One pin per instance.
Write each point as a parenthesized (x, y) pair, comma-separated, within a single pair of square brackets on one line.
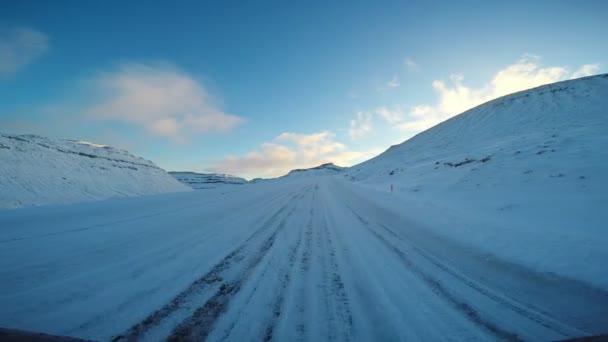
[(258, 88)]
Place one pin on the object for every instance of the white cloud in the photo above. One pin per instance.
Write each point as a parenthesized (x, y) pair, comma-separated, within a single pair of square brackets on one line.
[(20, 47), (417, 118), (410, 64), (393, 83), (161, 99), (455, 97), (586, 70), (270, 160), (390, 85), (390, 115), (420, 118), (290, 151), (360, 125)]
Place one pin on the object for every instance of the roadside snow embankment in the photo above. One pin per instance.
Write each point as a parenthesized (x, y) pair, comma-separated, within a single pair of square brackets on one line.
[(36, 170), (522, 176)]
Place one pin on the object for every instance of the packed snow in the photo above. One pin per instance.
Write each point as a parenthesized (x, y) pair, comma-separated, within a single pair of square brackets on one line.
[(479, 239), (310, 258), (39, 171), (199, 181)]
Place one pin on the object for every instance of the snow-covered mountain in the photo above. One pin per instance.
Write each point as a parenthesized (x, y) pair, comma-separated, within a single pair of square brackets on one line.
[(321, 170), (327, 169), (523, 176), (206, 180), (35, 170), (552, 136)]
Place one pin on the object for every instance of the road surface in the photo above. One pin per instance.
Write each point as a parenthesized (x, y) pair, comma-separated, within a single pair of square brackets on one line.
[(302, 260)]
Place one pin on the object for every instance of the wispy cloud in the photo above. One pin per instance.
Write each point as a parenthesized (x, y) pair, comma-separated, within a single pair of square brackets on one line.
[(20, 47), (159, 98), (360, 125), (390, 114), (455, 97), (586, 70), (393, 83), (389, 85), (410, 64), (420, 118), (290, 151)]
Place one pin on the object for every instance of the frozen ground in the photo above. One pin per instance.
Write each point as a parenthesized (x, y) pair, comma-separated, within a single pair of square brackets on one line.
[(315, 258)]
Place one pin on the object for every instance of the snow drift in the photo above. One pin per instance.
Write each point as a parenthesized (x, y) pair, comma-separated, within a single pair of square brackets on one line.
[(522, 176), (38, 171), (206, 180)]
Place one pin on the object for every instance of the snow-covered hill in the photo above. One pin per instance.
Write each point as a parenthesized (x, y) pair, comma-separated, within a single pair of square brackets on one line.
[(35, 170), (551, 137), (206, 180), (321, 170), (524, 175), (327, 169)]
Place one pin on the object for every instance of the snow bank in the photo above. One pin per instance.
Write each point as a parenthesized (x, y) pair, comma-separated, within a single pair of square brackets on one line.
[(523, 176), (36, 170), (206, 180)]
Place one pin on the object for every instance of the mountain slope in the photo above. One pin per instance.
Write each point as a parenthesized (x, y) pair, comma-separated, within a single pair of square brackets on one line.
[(206, 180), (40, 171), (550, 123), (522, 176)]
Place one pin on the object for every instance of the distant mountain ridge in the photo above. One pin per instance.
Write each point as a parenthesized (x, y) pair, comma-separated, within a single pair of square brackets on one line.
[(328, 168), (37, 170), (199, 181)]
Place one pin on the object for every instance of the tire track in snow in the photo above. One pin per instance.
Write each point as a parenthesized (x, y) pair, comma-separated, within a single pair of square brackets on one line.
[(340, 321), (198, 326), (285, 274), (160, 256), (438, 288), (463, 306), (304, 269), (282, 286), (210, 279), (521, 310)]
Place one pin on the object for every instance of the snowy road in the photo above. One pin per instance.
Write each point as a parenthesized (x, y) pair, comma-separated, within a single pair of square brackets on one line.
[(308, 259)]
